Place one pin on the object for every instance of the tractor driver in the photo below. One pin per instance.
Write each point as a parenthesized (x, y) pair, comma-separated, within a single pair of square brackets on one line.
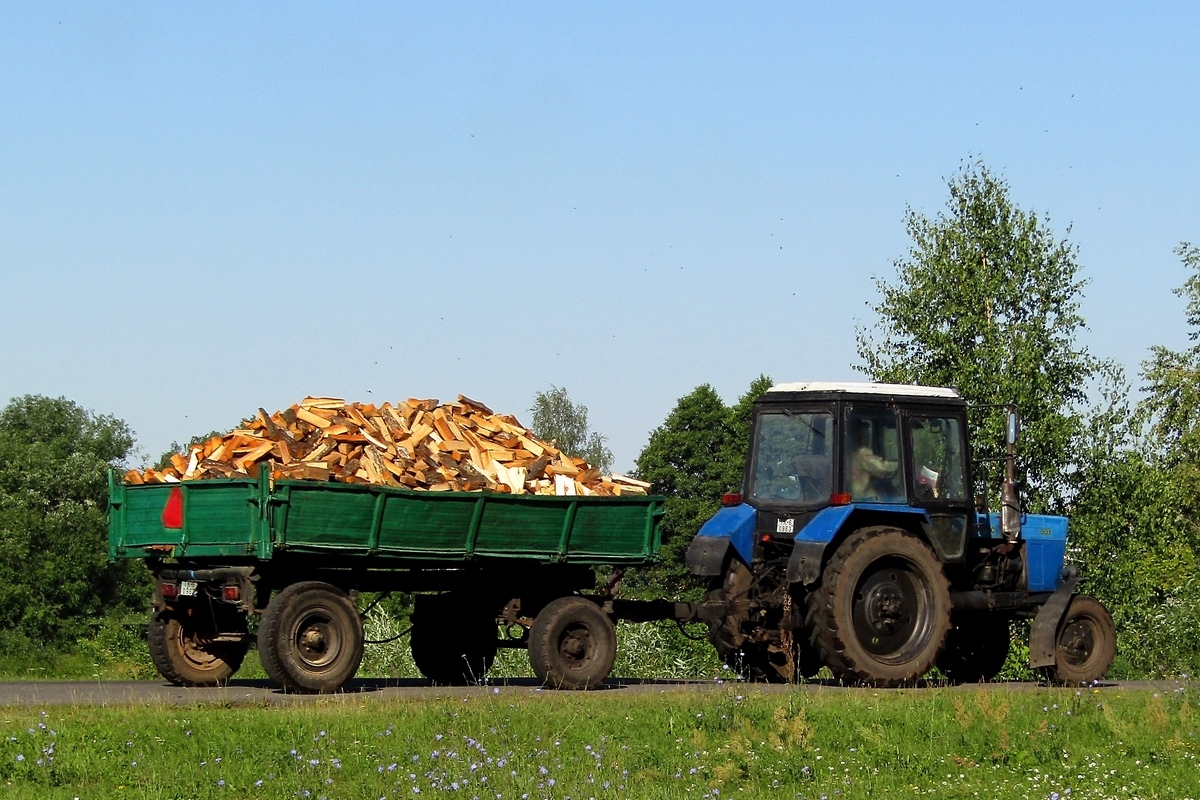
[(872, 477)]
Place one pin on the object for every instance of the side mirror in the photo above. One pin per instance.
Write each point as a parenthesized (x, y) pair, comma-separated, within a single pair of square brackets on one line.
[(1013, 427)]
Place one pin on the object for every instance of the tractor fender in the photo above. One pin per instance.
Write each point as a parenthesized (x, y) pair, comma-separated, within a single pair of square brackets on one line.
[(808, 549), (730, 528), (1044, 629)]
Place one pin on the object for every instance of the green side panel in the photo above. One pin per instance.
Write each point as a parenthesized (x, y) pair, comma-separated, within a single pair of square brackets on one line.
[(522, 526), (440, 524), (613, 530), (321, 516)]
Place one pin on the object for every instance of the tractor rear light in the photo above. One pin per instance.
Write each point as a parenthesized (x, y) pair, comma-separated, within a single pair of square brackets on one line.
[(840, 499), (170, 590), (765, 538), (232, 593), (731, 499), (172, 513)]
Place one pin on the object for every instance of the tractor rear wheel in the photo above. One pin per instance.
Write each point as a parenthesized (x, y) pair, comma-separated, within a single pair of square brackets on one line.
[(1085, 645), (882, 610), (976, 648)]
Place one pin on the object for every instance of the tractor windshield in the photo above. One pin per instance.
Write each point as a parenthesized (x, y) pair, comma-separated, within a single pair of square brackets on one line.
[(792, 458)]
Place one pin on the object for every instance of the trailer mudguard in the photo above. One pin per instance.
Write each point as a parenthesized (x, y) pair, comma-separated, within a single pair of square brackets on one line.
[(732, 526), (808, 551), (1044, 629)]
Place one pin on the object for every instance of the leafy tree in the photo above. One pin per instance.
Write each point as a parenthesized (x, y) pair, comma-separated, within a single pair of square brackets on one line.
[(987, 301), (695, 456), (1136, 520), (556, 418), (55, 581)]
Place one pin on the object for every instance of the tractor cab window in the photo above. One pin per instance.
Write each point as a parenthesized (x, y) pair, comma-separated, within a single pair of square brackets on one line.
[(793, 460), (872, 462), (938, 460)]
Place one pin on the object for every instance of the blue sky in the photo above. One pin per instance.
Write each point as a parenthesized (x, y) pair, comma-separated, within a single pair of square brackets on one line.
[(213, 207)]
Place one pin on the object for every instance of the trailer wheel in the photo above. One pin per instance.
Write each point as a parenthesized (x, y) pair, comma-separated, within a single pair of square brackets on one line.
[(752, 660), (1085, 645), (452, 643), (572, 644), (311, 638), (184, 654), (882, 609), (976, 648)]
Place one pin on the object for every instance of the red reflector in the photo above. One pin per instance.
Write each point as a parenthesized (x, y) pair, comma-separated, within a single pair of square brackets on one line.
[(731, 499), (840, 499), (172, 516), (231, 592), (170, 591), (766, 537)]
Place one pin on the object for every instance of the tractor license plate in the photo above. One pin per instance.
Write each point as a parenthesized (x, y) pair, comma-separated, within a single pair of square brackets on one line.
[(188, 588)]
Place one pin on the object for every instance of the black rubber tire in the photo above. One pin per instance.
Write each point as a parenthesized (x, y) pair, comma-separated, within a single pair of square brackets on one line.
[(882, 610), (752, 661), (310, 639), (182, 655), (1085, 645), (572, 644), (452, 642), (976, 648)]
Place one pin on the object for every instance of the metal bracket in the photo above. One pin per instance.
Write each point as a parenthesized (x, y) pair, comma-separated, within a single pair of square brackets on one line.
[(1044, 630)]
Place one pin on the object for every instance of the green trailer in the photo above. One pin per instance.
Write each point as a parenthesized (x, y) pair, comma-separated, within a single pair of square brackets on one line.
[(296, 554)]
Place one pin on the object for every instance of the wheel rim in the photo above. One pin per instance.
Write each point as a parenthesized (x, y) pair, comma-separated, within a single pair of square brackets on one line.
[(316, 639), (192, 651), (891, 615), (576, 647), (1077, 642)]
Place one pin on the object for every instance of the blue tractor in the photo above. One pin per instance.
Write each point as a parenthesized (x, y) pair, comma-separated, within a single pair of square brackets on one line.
[(857, 543)]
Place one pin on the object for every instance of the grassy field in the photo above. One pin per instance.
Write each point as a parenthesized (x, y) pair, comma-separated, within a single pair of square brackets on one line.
[(499, 743)]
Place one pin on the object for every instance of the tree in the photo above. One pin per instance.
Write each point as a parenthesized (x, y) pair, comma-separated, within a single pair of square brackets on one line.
[(695, 456), (557, 419), (987, 301), (1136, 519), (55, 581)]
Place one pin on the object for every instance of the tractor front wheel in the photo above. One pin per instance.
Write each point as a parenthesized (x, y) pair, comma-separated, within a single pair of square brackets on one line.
[(1085, 645)]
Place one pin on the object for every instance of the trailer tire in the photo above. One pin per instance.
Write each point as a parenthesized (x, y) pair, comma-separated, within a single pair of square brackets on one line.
[(182, 655), (572, 644), (311, 638), (452, 644), (1085, 645), (882, 610), (976, 648)]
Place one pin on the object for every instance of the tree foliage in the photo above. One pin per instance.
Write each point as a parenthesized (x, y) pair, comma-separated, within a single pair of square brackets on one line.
[(1136, 520), (695, 456), (987, 301), (54, 577), (556, 418)]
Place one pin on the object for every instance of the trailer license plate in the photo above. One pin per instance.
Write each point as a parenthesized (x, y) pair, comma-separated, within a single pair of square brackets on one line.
[(187, 588)]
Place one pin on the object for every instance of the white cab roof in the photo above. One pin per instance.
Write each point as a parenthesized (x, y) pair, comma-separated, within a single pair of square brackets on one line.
[(866, 388)]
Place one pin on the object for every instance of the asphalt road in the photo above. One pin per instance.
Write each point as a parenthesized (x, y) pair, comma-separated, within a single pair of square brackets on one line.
[(262, 693)]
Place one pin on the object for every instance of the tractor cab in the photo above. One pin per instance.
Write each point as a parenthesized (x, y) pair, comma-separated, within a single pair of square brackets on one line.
[(882, 448)]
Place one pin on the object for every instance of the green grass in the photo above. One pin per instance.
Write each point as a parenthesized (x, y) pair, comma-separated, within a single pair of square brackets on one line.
[(507, 743)]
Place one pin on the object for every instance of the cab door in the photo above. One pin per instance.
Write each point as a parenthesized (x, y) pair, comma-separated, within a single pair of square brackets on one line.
[(938, 480)]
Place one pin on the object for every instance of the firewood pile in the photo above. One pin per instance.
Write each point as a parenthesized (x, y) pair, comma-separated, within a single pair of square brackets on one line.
[(417, 444)]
